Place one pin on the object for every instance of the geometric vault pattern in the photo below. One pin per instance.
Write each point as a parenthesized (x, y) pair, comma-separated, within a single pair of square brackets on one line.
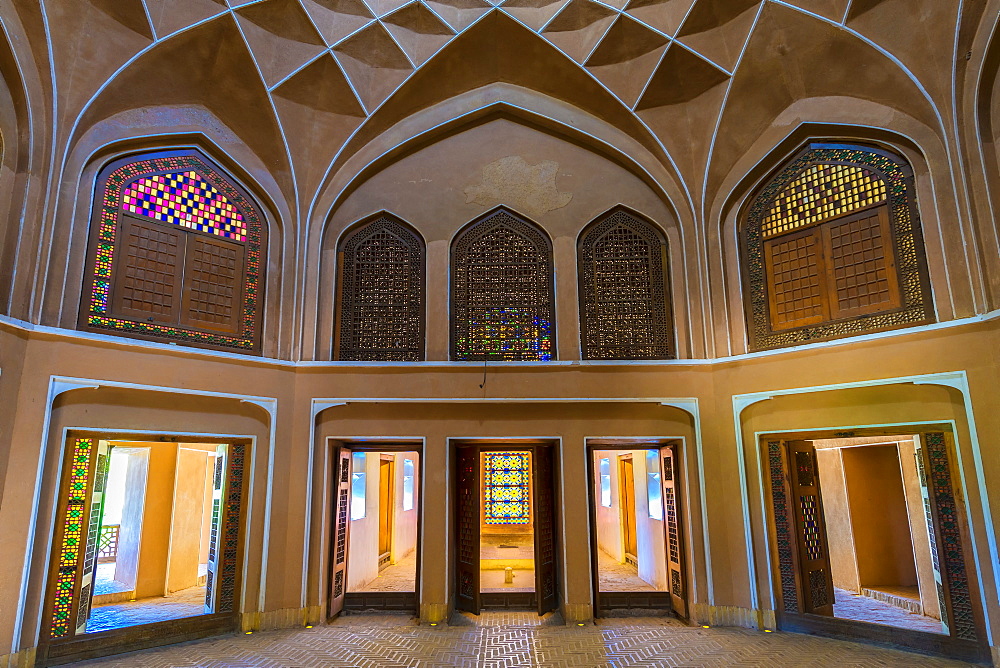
[(505, 640)]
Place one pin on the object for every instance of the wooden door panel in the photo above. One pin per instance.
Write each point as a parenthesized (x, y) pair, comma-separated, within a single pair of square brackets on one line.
[(467, 530), (669, 475), (545, 529), (814, 555), (341, 520), (147, 283), (213, 284)]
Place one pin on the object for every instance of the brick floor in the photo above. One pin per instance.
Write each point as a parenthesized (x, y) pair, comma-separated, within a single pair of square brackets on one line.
[(862, 608), (187, 603), (613, 576), (514, 640), (401, 576)]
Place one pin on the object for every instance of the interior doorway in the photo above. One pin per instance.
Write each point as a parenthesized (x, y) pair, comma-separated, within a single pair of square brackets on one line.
[(146, 549), (505, 526), (637, 542), (375, 535), (871, 541)]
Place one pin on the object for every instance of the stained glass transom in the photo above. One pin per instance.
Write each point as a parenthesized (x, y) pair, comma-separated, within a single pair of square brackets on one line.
[(502, 295), (506, 488), (72, 538), (381, 305), (246, 229), (623, 297), (821, 192), (915, 304), (185, 199)]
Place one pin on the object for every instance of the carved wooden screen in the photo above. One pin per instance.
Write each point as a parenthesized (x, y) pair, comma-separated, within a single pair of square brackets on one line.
[(467, 516), (810, 524), (670, 477), (340, 513), (832, 247), (176, 254), (380, 300), (545, 530), (502, 304), (624, 297)]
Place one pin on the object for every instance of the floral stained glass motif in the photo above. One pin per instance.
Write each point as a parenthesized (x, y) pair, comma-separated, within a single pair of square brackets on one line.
[(507, 487), (185, 199), (72, 538)]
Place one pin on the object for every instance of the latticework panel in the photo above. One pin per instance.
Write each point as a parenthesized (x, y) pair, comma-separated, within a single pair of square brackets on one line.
[(506, 488), (184, 197), (502, 292), (72, 541), (851, 193), (625, 312), (783, 530), (380, 309), (822, 192)]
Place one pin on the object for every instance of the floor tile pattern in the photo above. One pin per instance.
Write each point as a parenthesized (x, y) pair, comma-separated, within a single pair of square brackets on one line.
[(854, 606), (187, 603), (401, 576), (515, 640), (613, 576)]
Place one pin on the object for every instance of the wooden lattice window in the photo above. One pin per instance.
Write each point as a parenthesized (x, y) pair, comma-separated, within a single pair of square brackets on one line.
[(502, 291), (176, 254), (624, 296), (380, 296), (832, 247)]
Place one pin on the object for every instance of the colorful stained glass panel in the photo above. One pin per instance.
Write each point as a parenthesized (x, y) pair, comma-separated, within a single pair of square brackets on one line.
[(507, 488), (185, 199), (72, 538)]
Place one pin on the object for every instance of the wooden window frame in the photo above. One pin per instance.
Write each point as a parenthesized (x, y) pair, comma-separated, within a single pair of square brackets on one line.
[(911, 302), (103, 280)]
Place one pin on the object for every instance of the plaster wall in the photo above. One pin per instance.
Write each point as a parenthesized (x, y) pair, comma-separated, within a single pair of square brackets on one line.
[(840, 535)]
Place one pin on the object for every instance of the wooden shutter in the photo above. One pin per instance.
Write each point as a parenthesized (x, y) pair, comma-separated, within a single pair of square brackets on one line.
[(341, 515), (861, 264), (93, 536), (218, 482), (796, 284), (545, 529), (672, 526), (810, 524), (467, 516), (213, 284), (148, 267)]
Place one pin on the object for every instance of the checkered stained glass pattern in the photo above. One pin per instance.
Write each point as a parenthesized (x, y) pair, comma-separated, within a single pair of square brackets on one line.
[(507, 487), (822, 192), (72, 537), (185, 199), (810, 527), (162, 188)]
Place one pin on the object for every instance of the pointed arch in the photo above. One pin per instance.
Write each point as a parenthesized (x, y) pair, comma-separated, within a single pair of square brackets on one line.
[(176, 253), (625, 311), (502, 291), (832, 247), (380, 292)]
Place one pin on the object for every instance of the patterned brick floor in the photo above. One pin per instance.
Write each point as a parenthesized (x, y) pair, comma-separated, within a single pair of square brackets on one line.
[(515, 640), (613, 576), (862, 608)]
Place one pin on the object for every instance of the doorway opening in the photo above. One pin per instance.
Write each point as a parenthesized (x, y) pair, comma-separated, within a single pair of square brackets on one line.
[(505, 526), (146, 546), (375, 546), (637, 542), (870, 539)]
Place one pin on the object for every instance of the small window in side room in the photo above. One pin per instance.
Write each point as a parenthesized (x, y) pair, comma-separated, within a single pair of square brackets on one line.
[(407, 484), (359, 480), (654, 487), (606, 482)]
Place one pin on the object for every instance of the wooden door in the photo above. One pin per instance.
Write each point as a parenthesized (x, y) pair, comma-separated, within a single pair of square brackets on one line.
[(93, 535), (218, 487), (341, 521), (385, 507), (467, 517), (810, 525), (670, 475), (626, 495), (543, 483)]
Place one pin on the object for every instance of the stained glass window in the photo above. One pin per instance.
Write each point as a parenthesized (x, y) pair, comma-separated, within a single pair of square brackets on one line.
[(359, 486), (176, 254), (833, 248), (380, 306), (507, 488), (605, 473), (72, 537), (502, 291), (624, 302), (654, 486)]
